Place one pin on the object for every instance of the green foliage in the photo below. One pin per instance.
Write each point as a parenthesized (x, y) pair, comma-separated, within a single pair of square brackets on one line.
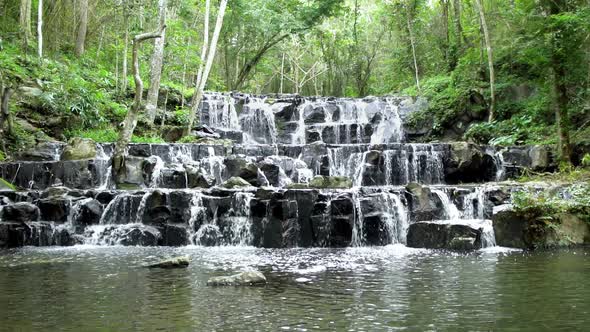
[(575, 199), (586, 160), (147, 139), (107, 135), (181, 116)]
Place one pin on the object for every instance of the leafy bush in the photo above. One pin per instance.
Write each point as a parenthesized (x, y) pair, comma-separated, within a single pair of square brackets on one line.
[(181, 116), (98, 135), (586, 160), (575, 199), (147, 139)]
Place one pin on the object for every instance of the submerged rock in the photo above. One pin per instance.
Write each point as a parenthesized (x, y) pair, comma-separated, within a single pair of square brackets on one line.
[(249, 278), (172, 263)]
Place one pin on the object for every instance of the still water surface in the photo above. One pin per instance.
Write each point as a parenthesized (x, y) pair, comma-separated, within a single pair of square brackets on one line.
[(366, 289)]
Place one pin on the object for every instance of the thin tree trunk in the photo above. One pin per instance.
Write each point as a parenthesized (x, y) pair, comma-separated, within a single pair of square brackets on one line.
[(413, 44), (25, 20), (125, 50), (488, 42), (40, 29), (156, 66), (205, 47), (99, 48), (130, 122), (282, 73), (82, 28), (210, 57)]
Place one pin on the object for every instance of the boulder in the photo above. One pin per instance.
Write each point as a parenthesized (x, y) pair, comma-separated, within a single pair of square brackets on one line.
[(89, 212), (249, 278), (335, 182), (46, 151), (235, 182), (21, 212), (208, 235), (128, 235), (79, 149), (14, 234), (54, 208), (529, 231), (58, 191), (422, 205), (541, 158), (174, 236), (172, 263), (468, 163), (444, 235)]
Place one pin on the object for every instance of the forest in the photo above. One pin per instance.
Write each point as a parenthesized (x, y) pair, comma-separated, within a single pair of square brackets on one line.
[(519, 68)]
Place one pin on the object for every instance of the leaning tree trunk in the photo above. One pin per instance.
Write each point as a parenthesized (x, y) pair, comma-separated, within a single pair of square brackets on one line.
[(40, 29), (156, 67), (488, 42), (210, 57), (204, 49), (130, 122), (82, 28), (125, 50)]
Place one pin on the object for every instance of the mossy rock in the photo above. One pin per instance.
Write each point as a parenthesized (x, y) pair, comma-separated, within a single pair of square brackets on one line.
[(79, 149), (128, 186), (5, 185), (235, 182), (336, 182)]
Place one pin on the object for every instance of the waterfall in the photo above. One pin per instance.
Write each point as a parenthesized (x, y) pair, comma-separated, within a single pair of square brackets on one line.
[(241, 223), (395, 214), (474, 204), (451, 210), (298, 137), (258, 122), (221, 112), (157, 171)]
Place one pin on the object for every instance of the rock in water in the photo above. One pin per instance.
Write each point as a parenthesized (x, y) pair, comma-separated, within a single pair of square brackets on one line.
[(172, 263), (249, 278)]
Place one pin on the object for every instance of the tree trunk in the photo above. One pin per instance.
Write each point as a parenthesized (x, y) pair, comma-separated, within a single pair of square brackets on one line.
[(413, 44), (40, 29), (25, 20), (130, 122), (156, 66), (126, 41), (6, 118), (205, 75), (82, 28), (489, 49)]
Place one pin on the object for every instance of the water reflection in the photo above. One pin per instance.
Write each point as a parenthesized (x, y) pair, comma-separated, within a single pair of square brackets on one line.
[(358, 289)]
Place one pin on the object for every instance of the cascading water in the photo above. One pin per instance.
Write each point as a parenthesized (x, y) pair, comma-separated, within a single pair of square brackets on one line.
[(180, 191)]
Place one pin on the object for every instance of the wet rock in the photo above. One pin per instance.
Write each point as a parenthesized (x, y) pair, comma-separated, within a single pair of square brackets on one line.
[(129, 235), (541, 158), (54, 208), (174, 236), (198, 178), (336, 182), (250, 278), (314, 115), (172, 263), (528, 231), (240, 167), (208, 236), (468, 163), (58, 191), (235, 182), (13, 234), (422, 205), (46, 151), (444, 235), (79, 149), (21, 212), (89, 213)]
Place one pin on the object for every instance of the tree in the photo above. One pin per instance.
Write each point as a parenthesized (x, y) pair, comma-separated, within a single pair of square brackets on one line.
[(488, 42), (40, 29), (25, 21), (82, 28), (128, 126), (156, 66), (202, 78)]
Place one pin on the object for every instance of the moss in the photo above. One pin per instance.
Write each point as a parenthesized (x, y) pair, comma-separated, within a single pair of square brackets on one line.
[(127, 186), (336, 182)]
